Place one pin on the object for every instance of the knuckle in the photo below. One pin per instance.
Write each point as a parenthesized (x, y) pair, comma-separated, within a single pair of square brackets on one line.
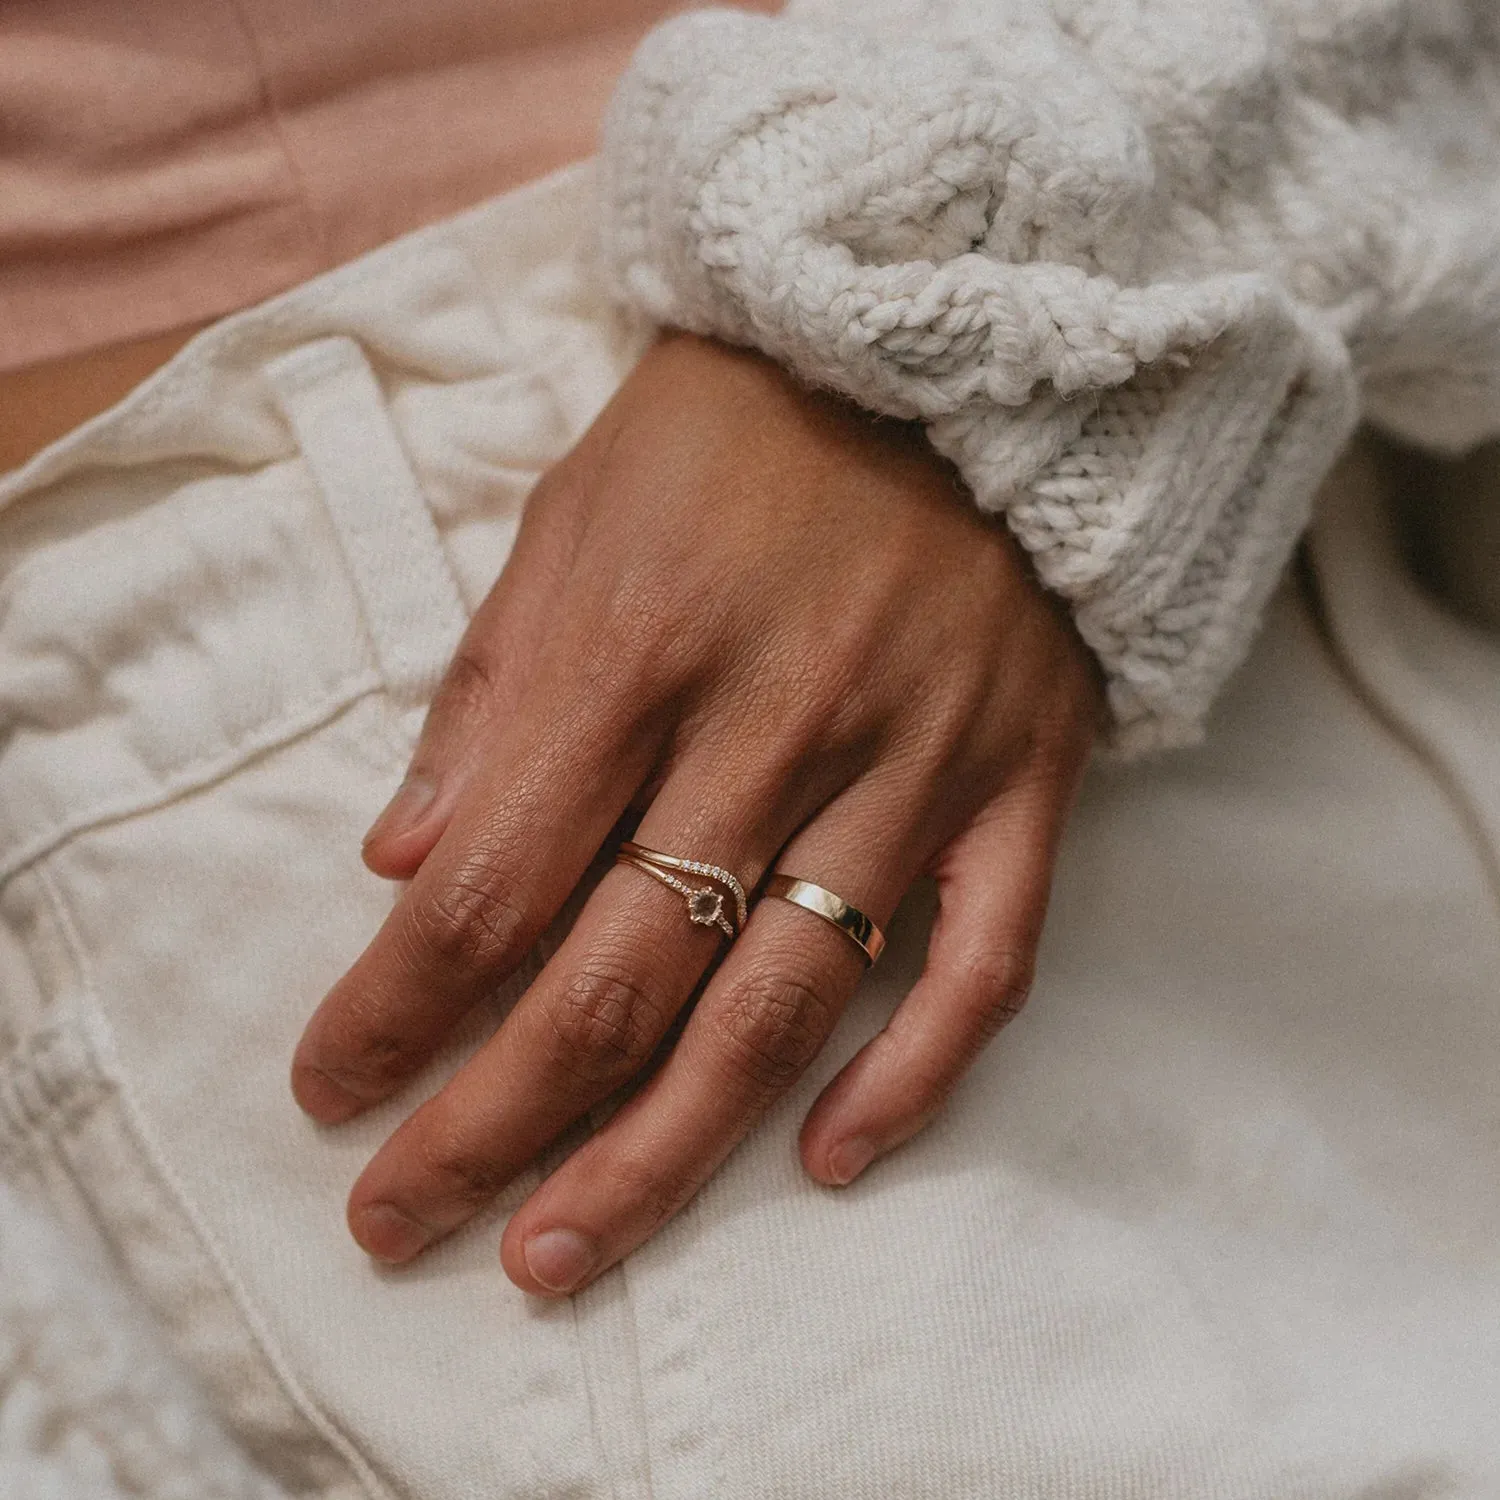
[(950, 717), (996, 988), (948, 722), (605, 1025), (474, 923), (645, 613), (463, 1171), (846, 653), (359, 1045), (470, 680), (369, 1066), (657, 1191), (1060, 741), (773, 1025), (630, 652), (1068, 718)]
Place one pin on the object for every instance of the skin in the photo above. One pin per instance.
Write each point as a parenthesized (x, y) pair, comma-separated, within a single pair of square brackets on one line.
[(779, 629)]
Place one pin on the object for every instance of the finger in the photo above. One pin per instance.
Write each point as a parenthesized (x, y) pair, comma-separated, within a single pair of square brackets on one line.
[(482, 687), (994, 880), (762, 1019), (589, 1024), (521, 838)]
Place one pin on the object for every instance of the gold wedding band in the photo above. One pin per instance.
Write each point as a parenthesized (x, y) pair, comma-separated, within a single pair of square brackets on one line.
[(705, 905), (849, 920)]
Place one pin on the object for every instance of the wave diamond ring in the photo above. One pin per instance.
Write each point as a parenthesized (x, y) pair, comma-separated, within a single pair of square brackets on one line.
[(706, 904)]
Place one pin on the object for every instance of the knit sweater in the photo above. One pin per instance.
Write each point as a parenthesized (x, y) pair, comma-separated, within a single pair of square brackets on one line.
[(1139, 265)]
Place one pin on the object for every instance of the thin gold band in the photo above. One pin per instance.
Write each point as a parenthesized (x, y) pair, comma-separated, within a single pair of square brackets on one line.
[(849, 920), (705, 904)]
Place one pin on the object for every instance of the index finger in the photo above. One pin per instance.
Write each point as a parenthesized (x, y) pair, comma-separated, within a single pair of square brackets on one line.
[(521, 837)]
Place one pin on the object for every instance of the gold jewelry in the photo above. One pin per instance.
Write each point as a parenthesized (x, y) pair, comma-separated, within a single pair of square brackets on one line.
[(849, 920), (705, 905)]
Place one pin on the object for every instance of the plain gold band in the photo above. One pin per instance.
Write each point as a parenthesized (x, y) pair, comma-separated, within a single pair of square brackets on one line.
[(849, 920)]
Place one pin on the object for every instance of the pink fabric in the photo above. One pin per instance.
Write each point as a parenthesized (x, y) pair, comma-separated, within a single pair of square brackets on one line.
[(164, 162)]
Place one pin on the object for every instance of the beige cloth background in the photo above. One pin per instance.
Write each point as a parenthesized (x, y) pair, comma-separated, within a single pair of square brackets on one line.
[(1218, 1217), (164, 163)]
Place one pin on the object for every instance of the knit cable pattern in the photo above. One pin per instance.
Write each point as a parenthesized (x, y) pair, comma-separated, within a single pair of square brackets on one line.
[(947, 212)]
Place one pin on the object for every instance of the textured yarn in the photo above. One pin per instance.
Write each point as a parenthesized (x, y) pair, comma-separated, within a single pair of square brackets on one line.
[(1139, 267)]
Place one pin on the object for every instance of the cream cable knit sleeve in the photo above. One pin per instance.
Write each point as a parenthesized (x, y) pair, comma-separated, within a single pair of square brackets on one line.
[(1139, 266)]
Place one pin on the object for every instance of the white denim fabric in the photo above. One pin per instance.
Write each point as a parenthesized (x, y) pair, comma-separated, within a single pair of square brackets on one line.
[(1219, 1216)]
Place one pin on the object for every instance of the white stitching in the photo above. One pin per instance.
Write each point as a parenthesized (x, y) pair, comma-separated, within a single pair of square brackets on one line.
[(96, 1033), (193, 775)]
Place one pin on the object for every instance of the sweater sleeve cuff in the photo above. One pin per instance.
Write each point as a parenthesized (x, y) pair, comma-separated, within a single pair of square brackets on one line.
[(1172, 504), (954, 233)]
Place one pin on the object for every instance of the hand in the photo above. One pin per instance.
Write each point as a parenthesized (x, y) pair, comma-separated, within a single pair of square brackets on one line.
[(782, 625)]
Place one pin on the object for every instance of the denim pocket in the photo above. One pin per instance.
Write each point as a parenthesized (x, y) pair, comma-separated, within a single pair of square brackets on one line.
[(72, 1125), (208, 669)]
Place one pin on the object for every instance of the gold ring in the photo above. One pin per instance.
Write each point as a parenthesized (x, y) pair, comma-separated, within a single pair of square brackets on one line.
[(705, 905), (849, 920)]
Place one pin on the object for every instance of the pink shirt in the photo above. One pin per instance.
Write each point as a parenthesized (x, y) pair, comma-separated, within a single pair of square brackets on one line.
[(163, 162)]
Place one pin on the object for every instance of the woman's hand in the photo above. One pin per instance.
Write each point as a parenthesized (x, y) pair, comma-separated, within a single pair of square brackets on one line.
[(784, 623)]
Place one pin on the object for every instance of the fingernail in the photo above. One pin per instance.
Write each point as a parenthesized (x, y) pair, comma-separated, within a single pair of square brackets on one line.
[(413, 798), (847, 1161), (389, 1234), (560, 1258)]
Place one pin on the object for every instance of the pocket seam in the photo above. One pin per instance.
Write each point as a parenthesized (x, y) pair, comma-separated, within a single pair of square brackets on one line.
[(194, 775), (92, 1028)]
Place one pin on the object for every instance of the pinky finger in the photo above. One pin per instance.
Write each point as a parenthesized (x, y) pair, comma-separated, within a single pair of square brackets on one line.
[(993, 883)]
